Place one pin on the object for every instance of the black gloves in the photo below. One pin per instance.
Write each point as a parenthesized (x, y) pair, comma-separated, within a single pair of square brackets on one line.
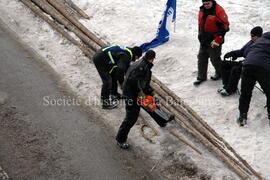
[(230, 54)]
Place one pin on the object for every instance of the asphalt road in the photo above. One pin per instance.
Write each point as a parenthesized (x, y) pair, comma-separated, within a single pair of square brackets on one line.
[(40, 141)]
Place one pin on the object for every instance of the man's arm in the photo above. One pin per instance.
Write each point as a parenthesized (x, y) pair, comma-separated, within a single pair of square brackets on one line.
[(223, 26), (144, 83), (123, 64)]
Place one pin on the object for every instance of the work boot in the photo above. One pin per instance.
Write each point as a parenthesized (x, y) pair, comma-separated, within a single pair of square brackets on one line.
[(221, 89), (198, 81), (215, 77), (123, 145), (224, 92), (242, 120)]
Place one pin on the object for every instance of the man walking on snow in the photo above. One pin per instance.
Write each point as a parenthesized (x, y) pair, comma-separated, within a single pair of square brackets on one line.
[(213, 25)]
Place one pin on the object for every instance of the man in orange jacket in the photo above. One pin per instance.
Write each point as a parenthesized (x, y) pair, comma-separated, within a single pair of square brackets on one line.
[(213, 25)]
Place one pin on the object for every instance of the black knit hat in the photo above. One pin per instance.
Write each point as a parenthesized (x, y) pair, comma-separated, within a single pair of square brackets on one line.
[(137, 51), (206, 0), (256, 31), (150, 54)]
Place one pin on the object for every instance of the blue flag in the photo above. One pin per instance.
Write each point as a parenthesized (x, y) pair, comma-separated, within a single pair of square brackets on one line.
[(163, 31)]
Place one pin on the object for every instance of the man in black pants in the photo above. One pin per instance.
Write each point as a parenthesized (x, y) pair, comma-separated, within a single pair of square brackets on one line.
[(137, 81), (231, 70), (112, 63), (213, 25), (256, 67)]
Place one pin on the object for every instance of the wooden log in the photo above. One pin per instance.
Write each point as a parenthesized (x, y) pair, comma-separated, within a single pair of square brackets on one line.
[(61, 7), (208, 142), (185, 141), (201, 129), (214, 149), (184, 105), (79, 10), (70, 10), (205, 125), (59, 29), (43, 4)]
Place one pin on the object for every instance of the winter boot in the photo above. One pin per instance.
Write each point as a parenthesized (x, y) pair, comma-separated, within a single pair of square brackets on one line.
[(221, 89), (123, 145), (242, 120), (198, 81), (224, 92)]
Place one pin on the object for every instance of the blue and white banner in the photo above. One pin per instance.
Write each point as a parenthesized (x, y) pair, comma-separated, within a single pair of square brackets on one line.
[(164, 27)]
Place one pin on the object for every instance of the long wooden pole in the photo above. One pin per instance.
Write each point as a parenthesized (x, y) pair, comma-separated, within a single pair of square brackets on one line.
[(203, 123), (185, 141), (35, 9), (43, 4), (203, 131), (61, 7), (79, 10), (210, 144)]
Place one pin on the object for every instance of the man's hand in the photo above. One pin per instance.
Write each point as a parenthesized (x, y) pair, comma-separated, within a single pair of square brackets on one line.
[(230, 54), (214, 44), (217, 41)]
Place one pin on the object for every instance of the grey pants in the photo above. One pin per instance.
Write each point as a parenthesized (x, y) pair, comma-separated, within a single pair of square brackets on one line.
[(205, 53)]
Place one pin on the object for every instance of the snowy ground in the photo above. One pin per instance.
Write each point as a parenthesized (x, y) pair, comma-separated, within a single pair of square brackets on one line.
[(134, 22)]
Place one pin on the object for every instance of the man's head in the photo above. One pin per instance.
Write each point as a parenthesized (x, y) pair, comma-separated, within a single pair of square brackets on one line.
[(207, 4), (150, 55), (256, 33), (137, 52)]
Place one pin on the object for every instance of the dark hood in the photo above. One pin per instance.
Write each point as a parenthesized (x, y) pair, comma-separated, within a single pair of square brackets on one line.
[(266, 35)]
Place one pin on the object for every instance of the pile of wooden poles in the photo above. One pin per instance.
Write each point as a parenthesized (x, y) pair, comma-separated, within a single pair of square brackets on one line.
[(60, 15), (57, 14), (190, 121)]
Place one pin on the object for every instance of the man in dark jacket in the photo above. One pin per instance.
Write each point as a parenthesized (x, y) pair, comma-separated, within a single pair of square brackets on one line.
[(256, 67), (213, 25), (112, 63), (137, 81), (231, 70)]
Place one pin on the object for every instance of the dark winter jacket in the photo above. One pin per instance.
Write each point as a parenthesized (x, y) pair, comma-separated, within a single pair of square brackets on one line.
[(213, 24), (259, 54), (122, 59), (138, 79), (244, 50)]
